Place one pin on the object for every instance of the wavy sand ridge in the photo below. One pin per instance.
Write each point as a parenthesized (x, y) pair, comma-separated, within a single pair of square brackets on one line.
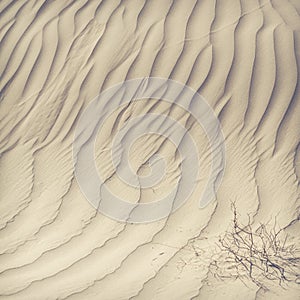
[(56, 56)]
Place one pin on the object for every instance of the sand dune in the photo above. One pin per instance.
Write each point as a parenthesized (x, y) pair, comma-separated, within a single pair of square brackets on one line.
[(242, 57)]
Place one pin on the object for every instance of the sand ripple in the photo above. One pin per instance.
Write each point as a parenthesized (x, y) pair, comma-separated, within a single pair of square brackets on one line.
[(57, 56)]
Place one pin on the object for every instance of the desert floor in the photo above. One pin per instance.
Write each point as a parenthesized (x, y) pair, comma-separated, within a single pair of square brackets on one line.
[(242, 57)]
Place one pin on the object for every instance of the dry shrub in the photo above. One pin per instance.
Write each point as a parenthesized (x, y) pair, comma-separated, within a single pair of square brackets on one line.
[(261, 255)]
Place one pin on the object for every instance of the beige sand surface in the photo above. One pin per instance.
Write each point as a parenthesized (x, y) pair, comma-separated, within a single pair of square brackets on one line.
[(242, 56)]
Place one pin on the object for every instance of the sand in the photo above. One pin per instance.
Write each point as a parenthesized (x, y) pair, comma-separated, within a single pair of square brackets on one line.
[(242, 57)]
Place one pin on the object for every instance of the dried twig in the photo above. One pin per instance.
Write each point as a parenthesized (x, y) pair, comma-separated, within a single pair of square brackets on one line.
[(259, 254)]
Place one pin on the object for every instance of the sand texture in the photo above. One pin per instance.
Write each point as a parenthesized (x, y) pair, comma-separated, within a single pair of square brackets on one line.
[(242, 56)]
